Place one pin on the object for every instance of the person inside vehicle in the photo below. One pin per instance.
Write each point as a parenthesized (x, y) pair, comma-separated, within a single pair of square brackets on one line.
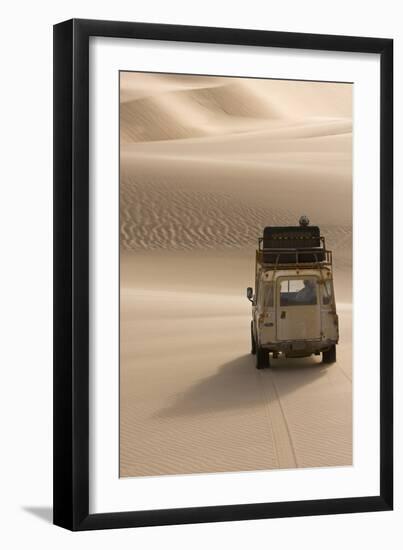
[(307, 294)]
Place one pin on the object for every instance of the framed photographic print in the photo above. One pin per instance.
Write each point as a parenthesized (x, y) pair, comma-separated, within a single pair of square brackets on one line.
[(223, 303)]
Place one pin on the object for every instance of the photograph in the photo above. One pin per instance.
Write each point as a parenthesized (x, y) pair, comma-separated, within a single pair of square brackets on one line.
[(236, 300), (201, 276)]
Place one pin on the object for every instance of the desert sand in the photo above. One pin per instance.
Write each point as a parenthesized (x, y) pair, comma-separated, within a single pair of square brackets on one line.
[(206, 163)]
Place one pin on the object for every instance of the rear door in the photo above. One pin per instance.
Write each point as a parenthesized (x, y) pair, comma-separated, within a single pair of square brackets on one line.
[(298, 308)]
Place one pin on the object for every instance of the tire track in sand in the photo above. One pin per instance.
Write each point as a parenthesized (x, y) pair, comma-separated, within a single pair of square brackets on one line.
[(285, 450)]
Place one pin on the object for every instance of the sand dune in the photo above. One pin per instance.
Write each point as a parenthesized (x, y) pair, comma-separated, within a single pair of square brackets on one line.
[(173, 108), (197, 403), (293, 98), (206, 163), (182, 188), (151, 84), (171, 217), (173, 205), (276, 136), (194, 112)]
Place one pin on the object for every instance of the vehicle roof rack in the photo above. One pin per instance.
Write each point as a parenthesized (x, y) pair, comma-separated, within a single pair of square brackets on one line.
[(292, 246)]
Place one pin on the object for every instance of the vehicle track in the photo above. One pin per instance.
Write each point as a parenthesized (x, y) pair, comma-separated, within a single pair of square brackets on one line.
[(285, 451)]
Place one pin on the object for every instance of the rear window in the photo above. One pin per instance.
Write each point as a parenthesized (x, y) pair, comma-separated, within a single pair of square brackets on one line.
[(298, 292)]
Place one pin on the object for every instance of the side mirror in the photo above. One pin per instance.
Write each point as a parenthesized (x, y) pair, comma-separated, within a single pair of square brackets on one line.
[(249, 293)]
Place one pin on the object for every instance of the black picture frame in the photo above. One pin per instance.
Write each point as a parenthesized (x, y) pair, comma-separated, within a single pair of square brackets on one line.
[(71, 274)]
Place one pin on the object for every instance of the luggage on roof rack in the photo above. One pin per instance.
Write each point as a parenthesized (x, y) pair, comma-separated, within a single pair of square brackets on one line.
[(291, 245), (291, 237)]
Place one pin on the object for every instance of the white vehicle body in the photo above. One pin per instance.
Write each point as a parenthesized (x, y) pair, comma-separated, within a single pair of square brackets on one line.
[(294, 308)]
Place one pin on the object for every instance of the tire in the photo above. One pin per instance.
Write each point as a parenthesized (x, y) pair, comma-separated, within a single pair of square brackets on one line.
[(262, 358), (252, 339), (329, 356)]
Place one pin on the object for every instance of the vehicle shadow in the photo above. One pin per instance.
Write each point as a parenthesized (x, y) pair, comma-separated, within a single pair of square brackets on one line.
[(237, 384)]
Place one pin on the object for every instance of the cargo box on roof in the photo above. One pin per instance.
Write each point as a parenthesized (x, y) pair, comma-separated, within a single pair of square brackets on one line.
[(304, 241)]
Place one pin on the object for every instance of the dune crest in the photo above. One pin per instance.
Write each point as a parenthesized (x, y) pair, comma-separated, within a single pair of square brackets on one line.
[(194, 112)]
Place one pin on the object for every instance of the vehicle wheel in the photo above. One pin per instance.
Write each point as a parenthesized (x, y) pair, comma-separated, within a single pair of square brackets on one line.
[(262, 358), (329, 356), (252, 338)]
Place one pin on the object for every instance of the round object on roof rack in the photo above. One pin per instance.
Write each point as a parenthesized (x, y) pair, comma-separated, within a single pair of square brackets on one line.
[(304, 221)]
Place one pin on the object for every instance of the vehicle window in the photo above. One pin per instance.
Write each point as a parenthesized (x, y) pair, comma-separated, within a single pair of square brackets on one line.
[(327, 293), (298, 292)]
